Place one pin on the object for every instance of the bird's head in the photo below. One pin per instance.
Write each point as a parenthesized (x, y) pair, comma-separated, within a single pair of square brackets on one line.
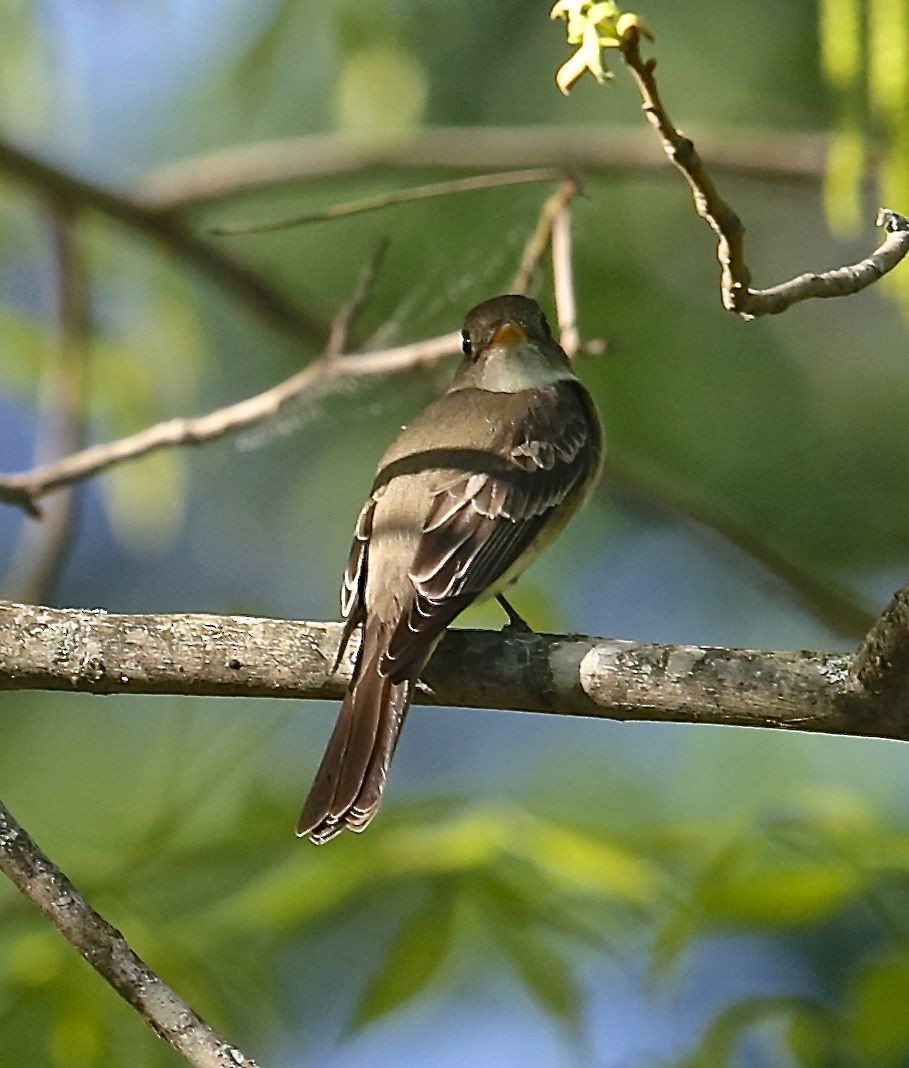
[(508, 346)]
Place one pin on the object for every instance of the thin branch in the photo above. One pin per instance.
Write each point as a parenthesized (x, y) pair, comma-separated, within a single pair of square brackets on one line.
[(25, 490), (341, 328), (398, 196), (168, 231), (108, 952), (541, 237), (563, 282), (42, 549), (92, 652), (838, 608), (735, 283), (247, 169)]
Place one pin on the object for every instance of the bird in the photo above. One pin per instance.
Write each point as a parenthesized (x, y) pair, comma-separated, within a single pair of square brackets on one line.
[(464, 499)]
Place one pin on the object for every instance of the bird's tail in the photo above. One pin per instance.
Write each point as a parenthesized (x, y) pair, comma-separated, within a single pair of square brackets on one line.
[(348, 786)]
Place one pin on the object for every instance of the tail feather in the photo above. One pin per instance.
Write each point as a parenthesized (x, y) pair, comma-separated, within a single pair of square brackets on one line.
[(348, 785)]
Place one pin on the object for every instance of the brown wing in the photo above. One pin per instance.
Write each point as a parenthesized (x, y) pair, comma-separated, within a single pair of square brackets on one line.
[(353, 588), (480, 524)]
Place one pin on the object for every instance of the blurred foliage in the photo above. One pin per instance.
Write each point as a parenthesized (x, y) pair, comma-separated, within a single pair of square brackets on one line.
[(479, 884), (601, 860), (865, 59)]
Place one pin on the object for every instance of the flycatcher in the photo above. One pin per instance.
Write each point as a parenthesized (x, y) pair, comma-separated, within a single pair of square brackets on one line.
[(464, 500)]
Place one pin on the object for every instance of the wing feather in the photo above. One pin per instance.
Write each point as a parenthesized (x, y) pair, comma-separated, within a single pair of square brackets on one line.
[(480, 524)]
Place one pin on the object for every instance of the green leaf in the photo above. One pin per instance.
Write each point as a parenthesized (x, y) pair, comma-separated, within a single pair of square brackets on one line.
[(782, 896), (587, 862), (877, 1010), (721, 1039), (413, 960), (293, 895), (812, 1040), (545, 973)]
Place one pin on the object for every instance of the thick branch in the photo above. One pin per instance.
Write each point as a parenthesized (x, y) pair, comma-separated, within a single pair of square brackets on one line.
[(882, 660), (93, 652), (735, 282), (169, 232), (108, 952)]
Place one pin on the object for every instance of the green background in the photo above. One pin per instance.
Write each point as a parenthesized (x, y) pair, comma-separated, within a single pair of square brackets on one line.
[(537, 890)]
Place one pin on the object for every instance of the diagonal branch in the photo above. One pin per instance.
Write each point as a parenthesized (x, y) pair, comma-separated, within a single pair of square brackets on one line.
[(541, 237), (168, 231), (25, 490), (85, 651), (735, 281), (364, 205), (108, 952)]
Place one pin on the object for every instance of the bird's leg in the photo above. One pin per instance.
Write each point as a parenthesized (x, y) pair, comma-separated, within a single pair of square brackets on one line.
[(516, 623)]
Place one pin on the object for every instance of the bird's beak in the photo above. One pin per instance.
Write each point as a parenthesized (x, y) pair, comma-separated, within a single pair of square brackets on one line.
[(508, 334)]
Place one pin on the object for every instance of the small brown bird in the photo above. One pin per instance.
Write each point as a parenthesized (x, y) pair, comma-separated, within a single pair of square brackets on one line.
[(464, 500)]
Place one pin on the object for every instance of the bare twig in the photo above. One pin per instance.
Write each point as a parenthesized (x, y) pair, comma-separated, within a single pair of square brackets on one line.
[(735, 284), (42, 549), (339, 335), (246, 169), (398, 196), (168, 231), (539, 241), (563, 282), (55, 649), (108, 952), (26, 490)]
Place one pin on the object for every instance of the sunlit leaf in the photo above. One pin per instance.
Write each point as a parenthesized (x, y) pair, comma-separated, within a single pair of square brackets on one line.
[(782, 896), (588, 863), (303, 889)]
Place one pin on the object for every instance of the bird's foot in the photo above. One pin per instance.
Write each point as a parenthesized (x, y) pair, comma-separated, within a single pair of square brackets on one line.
[(516, 623)]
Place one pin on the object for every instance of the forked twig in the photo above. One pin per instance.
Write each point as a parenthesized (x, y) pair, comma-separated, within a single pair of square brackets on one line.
[(735, 282)]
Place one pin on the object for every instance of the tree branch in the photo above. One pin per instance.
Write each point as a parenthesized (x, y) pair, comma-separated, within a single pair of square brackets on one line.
[(882, 660), (26, 489), (735, 282), (93, 652), (108, 952), (39, 556), (364, 205), (168, 231), (246, 169)]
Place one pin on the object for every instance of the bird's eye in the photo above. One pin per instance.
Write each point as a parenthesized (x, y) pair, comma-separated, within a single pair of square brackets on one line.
[(466, 344)]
